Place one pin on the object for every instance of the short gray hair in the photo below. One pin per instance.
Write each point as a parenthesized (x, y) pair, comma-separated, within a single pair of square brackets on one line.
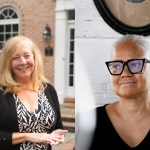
[(139, 40)]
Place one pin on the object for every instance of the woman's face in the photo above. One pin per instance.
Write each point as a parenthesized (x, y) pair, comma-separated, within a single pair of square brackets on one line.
[(22, 63), (128, 85)]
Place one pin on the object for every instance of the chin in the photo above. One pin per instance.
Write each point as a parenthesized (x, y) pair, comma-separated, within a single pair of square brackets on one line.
[(128, 95), (24, 76)]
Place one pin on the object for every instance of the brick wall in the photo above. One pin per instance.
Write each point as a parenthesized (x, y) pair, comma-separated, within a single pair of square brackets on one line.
[(33, 16)]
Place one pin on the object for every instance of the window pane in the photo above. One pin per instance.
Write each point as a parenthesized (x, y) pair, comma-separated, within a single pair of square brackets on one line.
[(1, 28), (5, 12), (71, 69), (1, 37), (71, 15), (1, 17), (72, 34), (10, 12), (72, 46), (8, 28), (70, 81), (71, 57), (15, 28), (14, 16)]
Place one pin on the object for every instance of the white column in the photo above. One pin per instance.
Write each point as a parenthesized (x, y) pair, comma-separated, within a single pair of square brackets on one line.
[(60, 46)]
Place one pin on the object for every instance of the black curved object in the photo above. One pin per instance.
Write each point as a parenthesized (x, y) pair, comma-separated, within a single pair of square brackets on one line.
[(116, 24)]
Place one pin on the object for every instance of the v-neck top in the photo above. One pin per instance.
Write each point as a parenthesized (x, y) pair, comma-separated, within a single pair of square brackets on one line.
[(9, 119), (106, 137), (39, 121)]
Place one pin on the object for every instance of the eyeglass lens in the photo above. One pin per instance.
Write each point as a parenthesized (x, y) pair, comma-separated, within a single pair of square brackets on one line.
[(135, 66)]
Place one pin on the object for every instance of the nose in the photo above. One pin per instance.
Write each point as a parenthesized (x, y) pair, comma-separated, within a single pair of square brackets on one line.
[(126, 72), (22, 60)]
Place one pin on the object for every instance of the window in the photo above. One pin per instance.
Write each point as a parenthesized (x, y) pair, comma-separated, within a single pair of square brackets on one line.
[(9, 24), (126, 16), (71, 58), (71, 15), (70, 52), (71, 18)]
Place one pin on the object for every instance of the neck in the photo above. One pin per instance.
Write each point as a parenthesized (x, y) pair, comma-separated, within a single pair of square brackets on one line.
[(25, 84), (134, 108), (26, 87)]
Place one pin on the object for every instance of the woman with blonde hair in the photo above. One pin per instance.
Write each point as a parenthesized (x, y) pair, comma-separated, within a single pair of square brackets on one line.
[(29, 108)]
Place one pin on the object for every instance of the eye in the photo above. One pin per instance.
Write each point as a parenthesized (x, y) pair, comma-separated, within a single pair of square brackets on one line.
[(16, 58), (115, 66), (27, 56), (136, 64)]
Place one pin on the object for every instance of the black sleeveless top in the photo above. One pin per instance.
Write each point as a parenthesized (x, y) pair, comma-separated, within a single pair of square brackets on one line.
[(106, 137)]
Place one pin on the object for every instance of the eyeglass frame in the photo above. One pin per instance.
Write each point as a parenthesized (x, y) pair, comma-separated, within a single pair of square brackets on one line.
[(125, 63)]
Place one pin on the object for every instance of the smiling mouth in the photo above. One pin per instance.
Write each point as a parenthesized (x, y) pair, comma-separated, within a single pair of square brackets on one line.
[(128, 82), (24, 68)]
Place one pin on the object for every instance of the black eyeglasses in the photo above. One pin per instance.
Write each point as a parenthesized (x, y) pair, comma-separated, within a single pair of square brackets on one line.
[(135, 66)]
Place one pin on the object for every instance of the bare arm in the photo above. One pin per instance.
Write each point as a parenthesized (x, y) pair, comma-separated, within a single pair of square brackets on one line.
[(44, 138), (19, 138)]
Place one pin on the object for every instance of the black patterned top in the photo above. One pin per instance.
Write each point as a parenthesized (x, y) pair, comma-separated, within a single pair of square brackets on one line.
[(39, 121)]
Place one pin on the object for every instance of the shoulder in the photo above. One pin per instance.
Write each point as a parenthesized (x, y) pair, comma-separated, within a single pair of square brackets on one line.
[(101, 109), (50, 89), (1, 92), (51, 92), (48, 85), (97, 110), (2, 95), (101, 115), (5, 95)]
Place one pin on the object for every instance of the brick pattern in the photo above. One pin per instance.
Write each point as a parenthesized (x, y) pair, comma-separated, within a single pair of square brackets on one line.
[(33, 16)]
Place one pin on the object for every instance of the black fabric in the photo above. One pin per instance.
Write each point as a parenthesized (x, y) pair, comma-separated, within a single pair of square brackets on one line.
[(52, 94), (106, 137), (9, 121)]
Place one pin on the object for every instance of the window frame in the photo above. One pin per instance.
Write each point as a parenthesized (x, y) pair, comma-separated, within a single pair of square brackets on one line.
[(8, 21), (70, 26)]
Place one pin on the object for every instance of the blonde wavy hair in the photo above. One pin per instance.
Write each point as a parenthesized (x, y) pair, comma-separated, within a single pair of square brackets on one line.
[(7, 82)]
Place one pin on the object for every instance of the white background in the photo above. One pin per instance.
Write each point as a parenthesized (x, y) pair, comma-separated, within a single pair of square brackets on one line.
[(93, 42)]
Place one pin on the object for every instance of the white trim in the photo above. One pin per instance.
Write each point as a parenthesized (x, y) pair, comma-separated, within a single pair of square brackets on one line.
[(9, 21), (61, 45), (62, 5)]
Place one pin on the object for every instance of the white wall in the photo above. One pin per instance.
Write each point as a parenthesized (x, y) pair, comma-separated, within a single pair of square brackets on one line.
[(93, 42)]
